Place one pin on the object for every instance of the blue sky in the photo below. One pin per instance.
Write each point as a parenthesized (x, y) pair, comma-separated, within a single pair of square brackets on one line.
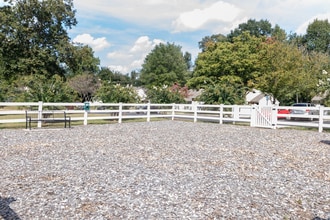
[(123, 32)]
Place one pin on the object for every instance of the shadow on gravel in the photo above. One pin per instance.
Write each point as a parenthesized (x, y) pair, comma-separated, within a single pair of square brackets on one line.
[(325, 142), (318, 218), (5, 211)]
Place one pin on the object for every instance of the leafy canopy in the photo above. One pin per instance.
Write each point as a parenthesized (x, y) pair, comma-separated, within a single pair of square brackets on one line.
[(317, 37), (33, 36), (164, 65)]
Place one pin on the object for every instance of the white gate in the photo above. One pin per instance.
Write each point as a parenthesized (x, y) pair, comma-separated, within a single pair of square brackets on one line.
[(263, 116)]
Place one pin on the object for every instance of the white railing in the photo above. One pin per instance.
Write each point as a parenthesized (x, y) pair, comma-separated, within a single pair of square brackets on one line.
[(273, 117)]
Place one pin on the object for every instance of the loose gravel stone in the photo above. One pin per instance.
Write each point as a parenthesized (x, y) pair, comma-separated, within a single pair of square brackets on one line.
[(164, 170)]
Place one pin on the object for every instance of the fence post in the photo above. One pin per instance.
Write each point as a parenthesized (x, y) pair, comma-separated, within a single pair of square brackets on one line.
[(253, 116), (221, 114), (120, 113), (39, 113), (195, 111), (236, 113), (274, 117), (173, 111), (148, 112), (321, 114), (85, 117)]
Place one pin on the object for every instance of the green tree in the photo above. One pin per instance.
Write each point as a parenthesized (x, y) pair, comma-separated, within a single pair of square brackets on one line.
[(317, 36), (211, 40), (255, 28), (113, 77), (33, 36), (164, 65), (4, 91), (80, 59), (165, 95), (135, 78), (288, 73), (239, 58), (115, 93), (228, 90), (279, 34), (319, 65), (34, 88), (295, 39)]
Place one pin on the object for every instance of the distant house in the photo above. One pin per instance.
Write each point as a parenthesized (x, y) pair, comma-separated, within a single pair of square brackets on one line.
[(319, 99), (192, 95), (256, 97), (253, 97)]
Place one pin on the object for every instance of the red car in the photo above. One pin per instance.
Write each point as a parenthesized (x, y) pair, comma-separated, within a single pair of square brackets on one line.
[(283, 111)]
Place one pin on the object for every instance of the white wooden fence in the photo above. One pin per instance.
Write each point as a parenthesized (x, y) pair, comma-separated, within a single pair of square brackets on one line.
[(255, 116)]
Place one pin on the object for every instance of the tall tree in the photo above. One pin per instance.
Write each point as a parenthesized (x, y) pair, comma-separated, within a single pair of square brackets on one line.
[(288, 73), (240, 58), (279, 34), (317, 36), (165, 94), (228, 90), (113, 77), (255, 28), (35, 88), (115, 93), (135, 78), (80, 59), (164, 65), (33, 36), (210, 40), (282, 66)]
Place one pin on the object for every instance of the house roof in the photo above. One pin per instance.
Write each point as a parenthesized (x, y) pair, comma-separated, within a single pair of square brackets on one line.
[(257, 98), (192, 94)]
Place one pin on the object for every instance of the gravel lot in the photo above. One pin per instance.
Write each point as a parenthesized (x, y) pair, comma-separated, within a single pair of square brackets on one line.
[(164, 170)]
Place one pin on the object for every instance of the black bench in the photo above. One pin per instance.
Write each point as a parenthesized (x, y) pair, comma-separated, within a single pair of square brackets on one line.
[(48, 117)]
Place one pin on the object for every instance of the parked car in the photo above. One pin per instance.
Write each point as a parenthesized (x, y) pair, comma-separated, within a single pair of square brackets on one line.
[(285, 112), (305, 109)]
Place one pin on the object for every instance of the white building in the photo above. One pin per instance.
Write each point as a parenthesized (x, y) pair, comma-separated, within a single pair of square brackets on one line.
[(259, 98)]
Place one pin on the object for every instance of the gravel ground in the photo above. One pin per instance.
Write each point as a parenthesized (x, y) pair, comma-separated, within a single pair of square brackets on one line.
[(164, 170)]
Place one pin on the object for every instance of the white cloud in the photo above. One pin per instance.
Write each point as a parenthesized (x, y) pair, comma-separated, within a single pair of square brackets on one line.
[(97, 44), (118, 68), (303, 27), (121, 21), (195, 19), (126, 59)]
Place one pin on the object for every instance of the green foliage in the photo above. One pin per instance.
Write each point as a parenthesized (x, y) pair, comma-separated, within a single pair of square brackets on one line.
[(107, 75), (166, 95), (240, 58), (317, 37), (164, 65), (33, 37), (4, 90), (253, 27), (116, 93), (35, 88), (80, 59), (320, 64), (228, 90), (295, 39), (211, 40), (288, 73), (135, 80), (279, 34)]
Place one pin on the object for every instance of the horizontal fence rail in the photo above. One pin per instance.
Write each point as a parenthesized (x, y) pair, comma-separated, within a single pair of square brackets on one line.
[(253, 115)]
